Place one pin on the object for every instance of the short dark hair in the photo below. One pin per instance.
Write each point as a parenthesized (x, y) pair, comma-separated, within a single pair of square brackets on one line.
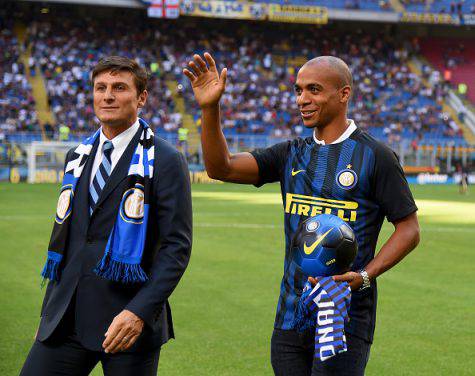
[(120, 63)]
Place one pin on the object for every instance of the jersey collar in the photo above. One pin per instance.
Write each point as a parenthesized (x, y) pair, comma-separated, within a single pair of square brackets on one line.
[(347, 133)]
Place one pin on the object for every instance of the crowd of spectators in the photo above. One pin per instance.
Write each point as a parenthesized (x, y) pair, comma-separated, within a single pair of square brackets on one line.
[(454, 55), (67, 51), (388, 99), (17, 106)]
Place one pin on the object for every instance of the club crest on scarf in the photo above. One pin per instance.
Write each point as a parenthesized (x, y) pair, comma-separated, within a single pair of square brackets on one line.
[(123, 253), (132, 204), (63, 209)]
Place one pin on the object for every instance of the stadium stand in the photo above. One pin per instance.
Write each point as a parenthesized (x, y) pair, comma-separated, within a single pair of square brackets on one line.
[(17, 106), (67, 73), (455, 58), (389, 100)]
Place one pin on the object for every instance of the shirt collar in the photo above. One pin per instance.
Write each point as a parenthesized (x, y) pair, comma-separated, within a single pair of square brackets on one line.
[(347, 133), (122, 139)]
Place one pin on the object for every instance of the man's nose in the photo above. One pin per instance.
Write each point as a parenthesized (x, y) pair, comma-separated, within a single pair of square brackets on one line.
[(109, 96), (302, 99)]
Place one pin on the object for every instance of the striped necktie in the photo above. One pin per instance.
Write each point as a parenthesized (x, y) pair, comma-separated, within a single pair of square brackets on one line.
[(102, 174)]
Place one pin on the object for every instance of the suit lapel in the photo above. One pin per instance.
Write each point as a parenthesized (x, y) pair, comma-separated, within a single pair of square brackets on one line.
[(82, 193), (121, 169)]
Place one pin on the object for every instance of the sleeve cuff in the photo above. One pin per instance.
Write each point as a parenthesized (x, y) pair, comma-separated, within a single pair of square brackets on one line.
[(147, 314), (402, 214)]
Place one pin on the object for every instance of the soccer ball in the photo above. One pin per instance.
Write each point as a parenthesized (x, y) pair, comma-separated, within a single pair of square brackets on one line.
[(324, 245)]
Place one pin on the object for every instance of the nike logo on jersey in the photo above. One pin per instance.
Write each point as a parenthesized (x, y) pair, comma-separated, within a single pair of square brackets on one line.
[(296, 172), (309, 249)]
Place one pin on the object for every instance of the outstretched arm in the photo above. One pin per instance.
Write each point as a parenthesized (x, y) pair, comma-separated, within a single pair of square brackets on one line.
[(208, 87)]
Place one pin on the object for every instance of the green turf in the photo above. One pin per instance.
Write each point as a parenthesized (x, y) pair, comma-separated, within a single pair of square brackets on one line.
[(224, 306)]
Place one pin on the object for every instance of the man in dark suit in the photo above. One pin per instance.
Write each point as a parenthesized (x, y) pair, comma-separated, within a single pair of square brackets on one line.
[(86, 318)]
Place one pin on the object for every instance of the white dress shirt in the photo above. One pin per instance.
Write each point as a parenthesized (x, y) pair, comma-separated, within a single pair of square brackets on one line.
[(347, 133), (120, 142)]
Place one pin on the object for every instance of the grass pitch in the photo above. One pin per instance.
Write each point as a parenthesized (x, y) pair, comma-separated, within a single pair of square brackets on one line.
[(223, 309)]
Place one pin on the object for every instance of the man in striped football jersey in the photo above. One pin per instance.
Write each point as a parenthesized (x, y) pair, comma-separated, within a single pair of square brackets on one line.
[(339, 170)]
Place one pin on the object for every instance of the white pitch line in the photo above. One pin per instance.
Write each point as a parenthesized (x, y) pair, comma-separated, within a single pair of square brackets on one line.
[(445, 229), (24, 217), (266, 225), (236, 225)]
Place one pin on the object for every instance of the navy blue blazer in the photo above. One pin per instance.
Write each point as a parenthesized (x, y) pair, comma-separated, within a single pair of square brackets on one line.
[(166, 254)]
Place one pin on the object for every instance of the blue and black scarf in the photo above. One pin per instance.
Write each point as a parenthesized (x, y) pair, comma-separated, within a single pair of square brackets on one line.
[(325, 308), (124, 249)]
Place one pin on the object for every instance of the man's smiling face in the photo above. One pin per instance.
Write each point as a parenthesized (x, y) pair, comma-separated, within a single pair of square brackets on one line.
[(319, 95), (116, 101)]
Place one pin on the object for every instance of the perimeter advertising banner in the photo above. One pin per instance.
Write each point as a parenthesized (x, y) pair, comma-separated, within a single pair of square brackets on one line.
[(298, 14), (468, 19), (224, 9), (431, 18)]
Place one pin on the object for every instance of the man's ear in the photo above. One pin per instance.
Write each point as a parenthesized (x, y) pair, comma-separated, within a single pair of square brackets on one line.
[(345, 94), (142, 98)]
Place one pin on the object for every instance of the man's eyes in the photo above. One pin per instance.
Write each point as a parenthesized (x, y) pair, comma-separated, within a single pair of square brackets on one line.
[(118, 87), (313, 89)]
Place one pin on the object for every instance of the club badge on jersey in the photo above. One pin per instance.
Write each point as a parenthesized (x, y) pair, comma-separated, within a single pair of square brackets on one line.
[(347, 178)]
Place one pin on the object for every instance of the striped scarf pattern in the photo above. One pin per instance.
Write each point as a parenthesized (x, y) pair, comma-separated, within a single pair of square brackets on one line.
[(325, 308), (123, 253)]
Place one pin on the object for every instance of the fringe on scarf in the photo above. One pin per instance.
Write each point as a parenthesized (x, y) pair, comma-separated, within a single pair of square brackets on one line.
[(119, 271), (51, 268)]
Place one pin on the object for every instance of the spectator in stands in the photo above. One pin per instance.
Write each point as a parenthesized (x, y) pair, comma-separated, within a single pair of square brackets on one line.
[(462, 89), (64, 133)]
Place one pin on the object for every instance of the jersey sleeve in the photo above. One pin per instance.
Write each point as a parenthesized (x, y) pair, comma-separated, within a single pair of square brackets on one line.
[(271, 162), (390, 186)]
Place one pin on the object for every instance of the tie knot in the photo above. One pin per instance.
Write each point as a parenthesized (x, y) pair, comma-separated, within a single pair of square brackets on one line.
[(107, 147)]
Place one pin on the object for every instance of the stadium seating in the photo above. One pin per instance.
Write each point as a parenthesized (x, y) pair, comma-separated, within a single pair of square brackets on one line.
[(454, 55), (17, 106), (66, 52), (389, 100)]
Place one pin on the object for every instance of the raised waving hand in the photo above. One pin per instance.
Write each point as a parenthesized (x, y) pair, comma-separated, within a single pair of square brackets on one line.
[(208, 86)]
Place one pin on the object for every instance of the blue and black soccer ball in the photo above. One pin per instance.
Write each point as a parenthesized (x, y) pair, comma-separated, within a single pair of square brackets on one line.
[(324, 245)]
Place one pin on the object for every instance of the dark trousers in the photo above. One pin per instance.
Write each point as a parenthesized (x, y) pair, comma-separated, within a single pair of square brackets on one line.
[(63, 354), (70, 358), (292, 354)]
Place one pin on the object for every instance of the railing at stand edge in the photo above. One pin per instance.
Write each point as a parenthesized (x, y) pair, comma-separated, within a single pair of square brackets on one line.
[(424, 154)]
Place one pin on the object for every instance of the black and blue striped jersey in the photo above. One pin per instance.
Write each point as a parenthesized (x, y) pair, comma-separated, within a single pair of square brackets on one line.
[(361, 181)]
